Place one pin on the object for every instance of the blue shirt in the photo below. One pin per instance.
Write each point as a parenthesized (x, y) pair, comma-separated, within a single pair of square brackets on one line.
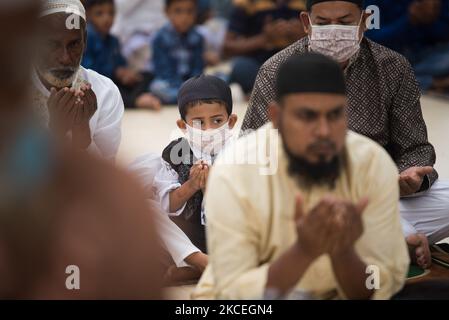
[(396, 31), (177, 57), (102, 53)]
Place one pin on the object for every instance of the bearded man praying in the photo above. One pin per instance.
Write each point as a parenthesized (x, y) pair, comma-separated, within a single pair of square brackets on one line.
[(327, 215), (77, 104)]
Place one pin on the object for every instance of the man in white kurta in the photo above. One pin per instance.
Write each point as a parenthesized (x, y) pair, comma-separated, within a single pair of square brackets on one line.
[(105, 124), (253, 226), (61, 46)]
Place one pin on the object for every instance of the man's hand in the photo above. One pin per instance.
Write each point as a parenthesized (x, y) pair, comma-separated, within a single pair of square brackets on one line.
[(87, 105), (424, 12), (410, 180), (314, 228), (61, 106), (85, 108), (279, 33), (348, 226), (127, 77)]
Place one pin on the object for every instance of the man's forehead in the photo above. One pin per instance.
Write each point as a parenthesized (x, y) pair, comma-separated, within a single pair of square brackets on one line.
[(335, 10), (320, 102), (58, 21), (59, 24)]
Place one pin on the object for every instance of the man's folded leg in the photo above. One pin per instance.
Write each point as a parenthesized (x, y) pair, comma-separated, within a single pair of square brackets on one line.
[(428, 213)]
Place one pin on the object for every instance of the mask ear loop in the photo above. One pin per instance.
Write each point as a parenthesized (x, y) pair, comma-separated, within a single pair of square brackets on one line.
[(311, 29), (358, 29)]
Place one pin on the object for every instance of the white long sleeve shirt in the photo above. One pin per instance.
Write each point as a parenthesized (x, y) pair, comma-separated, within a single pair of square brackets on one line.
[(173, 238)]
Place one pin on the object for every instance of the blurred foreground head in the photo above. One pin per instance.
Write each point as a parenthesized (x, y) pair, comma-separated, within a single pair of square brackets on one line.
[(77, 228), (18, 19)]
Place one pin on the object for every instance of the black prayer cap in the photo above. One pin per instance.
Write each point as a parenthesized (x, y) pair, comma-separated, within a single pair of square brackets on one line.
[(310, 73), (203, 88), (310, 3)]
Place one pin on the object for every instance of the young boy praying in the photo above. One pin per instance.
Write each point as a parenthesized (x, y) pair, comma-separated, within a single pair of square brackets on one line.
[(205, 107)]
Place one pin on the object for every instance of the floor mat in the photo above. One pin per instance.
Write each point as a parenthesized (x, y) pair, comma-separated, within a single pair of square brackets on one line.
[(415, 272)]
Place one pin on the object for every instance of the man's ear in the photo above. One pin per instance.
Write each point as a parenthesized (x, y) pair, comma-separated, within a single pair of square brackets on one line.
[(232, 121), (181, 124), (304, 16), (274, 114)]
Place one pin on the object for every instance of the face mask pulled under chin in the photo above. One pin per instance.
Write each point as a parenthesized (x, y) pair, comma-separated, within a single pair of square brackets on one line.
[(338, 42), (209, 142)]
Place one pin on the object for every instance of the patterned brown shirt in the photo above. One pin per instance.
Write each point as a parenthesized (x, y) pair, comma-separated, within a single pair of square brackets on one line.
[(384, 102)]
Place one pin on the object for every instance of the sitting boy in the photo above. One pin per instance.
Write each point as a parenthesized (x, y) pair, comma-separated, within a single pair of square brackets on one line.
[(182, 260), (178, 50), (205, 106), (103, 55)]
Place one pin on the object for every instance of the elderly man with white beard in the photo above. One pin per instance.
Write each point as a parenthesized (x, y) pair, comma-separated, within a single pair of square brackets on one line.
[(78, 105)]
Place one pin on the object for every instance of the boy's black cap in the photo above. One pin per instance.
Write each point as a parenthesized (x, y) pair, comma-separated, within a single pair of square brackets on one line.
[(204, 87)]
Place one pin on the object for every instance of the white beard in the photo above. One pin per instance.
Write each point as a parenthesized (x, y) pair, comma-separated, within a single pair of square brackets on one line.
[(56, 81), (40, 99)]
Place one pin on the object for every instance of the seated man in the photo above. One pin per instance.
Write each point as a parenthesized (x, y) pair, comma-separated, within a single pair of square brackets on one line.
[(257, 30), (383, 104), (76, 103), (418, 29), (323, 219)]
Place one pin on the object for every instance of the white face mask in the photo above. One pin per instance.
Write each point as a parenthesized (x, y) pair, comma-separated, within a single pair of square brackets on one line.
[(335, 41), (209, 142)]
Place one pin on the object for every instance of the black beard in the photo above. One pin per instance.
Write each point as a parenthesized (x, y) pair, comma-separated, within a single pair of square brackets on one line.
[(313, 174)]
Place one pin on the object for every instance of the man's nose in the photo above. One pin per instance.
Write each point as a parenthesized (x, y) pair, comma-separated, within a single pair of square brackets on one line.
[(323, 129), (64, 58)]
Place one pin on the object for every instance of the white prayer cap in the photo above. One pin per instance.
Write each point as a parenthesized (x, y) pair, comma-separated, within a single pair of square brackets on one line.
[(65, 6)]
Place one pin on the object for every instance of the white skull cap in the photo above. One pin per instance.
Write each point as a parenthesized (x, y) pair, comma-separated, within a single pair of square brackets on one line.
[(65, 6)]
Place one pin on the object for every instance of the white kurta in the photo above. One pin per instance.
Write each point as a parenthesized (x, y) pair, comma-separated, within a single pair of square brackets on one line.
[(105, 125), (173, 238)]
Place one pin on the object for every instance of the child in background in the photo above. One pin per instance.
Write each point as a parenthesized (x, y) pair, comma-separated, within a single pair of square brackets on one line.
[(178, 50), (103, 55), (205, 106)]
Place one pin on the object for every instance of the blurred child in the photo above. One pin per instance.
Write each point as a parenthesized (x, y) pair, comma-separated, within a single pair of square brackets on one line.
[(103, 55), (178, 50)]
